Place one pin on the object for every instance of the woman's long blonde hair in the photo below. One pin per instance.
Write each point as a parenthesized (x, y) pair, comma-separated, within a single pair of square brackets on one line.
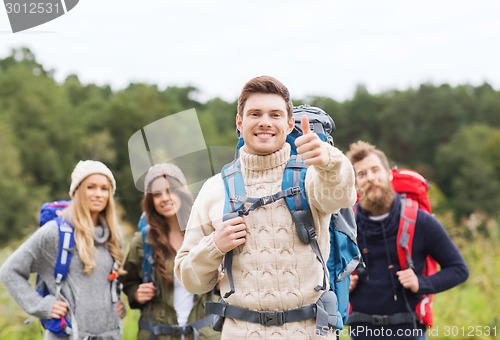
[(83, 225)]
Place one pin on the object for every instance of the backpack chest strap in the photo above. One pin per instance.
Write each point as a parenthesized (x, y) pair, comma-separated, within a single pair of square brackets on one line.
[(235, 192), (256, 203)]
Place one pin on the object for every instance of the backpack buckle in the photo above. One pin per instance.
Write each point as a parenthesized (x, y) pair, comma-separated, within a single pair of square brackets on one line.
[(271, 318), (113, 276), (312, 233), (380, 320), (295, 190), (266, 200)]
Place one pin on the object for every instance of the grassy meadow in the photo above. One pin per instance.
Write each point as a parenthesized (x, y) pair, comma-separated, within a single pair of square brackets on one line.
[(469, 311)]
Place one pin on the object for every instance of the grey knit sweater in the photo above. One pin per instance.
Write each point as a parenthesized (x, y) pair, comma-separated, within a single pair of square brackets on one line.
[(88, 296)]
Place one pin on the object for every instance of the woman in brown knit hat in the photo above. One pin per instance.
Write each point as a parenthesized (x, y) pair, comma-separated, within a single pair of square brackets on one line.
[(168, 311)]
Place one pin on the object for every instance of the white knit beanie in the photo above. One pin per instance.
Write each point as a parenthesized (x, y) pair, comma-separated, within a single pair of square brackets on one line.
[(163, 169), (86, 168)]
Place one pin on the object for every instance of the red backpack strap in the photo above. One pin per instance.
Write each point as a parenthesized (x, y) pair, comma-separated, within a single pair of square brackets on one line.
[(407, 220)]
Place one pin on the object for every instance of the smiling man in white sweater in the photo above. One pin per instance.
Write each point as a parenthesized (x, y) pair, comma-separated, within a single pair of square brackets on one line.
[(272, 269)]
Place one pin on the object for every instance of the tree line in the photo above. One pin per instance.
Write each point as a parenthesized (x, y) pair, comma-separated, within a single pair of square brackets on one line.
[(448, 133)]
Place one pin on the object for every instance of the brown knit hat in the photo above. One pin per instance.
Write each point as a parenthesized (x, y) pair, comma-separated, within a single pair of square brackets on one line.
[(163, 169)]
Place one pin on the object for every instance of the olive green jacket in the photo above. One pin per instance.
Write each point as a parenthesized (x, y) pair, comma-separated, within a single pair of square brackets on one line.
[(160, 310)]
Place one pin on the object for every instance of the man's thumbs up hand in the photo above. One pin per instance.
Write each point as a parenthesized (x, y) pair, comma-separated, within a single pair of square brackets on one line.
[(304, 123), (311, 149)]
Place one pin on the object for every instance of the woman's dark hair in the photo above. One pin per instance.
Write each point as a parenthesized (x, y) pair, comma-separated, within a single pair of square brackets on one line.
[(159, 226)]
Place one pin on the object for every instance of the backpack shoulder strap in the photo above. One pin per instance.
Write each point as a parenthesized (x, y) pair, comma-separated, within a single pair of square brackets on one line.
[(235, 196), (234, 189), (148, 259), (293, 179), (66, 247), (407, 220)]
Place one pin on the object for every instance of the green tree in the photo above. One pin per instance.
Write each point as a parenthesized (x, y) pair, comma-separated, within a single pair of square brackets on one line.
[(362, 113), (19, 198), (218, 122), (488, 105), (38, 112), (467, 173)]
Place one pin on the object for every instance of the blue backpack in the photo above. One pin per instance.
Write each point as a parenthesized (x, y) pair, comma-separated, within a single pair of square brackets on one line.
[(344, 257), (344, 254), (48, 212)]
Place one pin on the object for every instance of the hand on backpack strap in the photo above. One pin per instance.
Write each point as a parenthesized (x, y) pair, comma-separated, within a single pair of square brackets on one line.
[(408, 279), (145, 292), (353, 282), (231, 234), (120, 309), (311, 149), (59, 309)]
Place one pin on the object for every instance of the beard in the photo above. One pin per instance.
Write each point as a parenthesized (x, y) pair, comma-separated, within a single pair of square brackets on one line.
[(377, 200)]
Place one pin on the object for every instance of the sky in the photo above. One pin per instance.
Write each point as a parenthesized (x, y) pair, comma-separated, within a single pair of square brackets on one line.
[(316, 48)]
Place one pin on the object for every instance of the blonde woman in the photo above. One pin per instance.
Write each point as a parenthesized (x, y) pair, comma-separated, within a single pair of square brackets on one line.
[(86, 299)]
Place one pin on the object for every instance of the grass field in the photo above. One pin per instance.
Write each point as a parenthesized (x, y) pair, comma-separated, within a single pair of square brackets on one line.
[(469, 311)]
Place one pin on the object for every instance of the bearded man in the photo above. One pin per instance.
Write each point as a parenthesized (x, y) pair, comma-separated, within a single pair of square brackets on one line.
[(383, 296)]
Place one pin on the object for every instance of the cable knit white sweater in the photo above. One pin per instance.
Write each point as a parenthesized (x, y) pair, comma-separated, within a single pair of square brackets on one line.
[(273, 270)]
